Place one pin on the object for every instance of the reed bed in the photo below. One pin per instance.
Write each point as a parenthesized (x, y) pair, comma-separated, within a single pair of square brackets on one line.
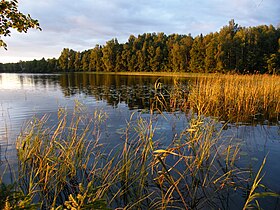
[(57, 162), (63, 165), (235, 98)]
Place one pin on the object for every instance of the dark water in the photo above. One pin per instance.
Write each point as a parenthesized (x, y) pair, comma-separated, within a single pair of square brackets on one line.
[(24, 95)]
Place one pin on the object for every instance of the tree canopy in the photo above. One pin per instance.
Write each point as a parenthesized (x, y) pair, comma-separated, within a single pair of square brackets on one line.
[(233, 49), (10, 17)]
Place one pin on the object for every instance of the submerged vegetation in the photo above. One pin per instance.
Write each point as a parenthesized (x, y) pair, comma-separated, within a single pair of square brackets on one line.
[(63, 165)]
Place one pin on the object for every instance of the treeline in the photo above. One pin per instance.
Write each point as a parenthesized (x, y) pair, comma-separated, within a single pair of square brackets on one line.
[(232, 49), (35, 66)]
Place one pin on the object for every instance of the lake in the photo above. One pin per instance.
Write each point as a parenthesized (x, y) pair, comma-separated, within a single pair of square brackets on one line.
[(23, 96)]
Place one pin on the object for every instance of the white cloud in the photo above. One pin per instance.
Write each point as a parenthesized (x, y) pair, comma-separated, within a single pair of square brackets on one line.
[(82, 24)]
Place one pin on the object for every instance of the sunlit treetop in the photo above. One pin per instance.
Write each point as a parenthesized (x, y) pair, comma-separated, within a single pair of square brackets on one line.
[(10, 17)]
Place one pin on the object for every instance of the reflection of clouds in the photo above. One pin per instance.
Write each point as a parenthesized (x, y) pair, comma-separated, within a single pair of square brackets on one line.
[(10, 82), (26, 82)]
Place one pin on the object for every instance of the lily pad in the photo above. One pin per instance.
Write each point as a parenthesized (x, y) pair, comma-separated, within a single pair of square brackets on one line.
[(242, 153), (254, 159), (120, 131)]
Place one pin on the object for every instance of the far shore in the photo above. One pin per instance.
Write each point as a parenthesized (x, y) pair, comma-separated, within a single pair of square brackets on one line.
[(170, 74)]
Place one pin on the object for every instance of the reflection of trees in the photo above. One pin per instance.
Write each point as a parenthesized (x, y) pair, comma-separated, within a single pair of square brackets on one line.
[(136, 91), (139, 92), (39, 80)]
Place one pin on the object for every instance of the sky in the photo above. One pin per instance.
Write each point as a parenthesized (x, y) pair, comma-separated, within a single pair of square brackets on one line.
[(81, 24)]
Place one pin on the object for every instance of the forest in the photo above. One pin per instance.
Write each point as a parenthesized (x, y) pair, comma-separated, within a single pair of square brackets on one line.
[(234, 49)]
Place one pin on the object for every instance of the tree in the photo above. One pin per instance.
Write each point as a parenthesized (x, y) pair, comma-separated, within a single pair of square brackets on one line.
[(77, 62), (197, 53), (71, 60), (85, 61), (109, 55), (210, 52), (95, 59), (226, 52), (63, 59), (176, 57), (10, 17)]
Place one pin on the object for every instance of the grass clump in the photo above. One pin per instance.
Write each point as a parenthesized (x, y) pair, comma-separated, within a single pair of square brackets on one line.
[(57, 162), (64, 166), (196, 170), (244, 98)]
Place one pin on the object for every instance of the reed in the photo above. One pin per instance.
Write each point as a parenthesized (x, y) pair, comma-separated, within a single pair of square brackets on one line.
[(64, 165), (201, 168), (58, 161), (257, 190), (237, 97)]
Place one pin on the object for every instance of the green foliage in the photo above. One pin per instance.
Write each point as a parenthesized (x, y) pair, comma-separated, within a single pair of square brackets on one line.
[(197, 54), (63, 60), (233, 49), (11, 198), (12, 18), (35, 66), (211, 45)]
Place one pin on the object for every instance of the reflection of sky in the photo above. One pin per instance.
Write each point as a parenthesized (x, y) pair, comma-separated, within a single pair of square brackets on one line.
[(261, 141), (10, 81), (16, 82), (22, 97)]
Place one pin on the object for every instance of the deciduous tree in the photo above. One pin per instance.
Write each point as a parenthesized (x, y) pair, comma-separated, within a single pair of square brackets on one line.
[(10, 17)]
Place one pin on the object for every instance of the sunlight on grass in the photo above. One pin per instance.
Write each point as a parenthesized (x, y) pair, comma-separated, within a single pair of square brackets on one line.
[(237, 98), (63, 164)]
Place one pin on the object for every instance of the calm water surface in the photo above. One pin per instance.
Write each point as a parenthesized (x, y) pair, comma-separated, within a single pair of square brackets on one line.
[(24, 95)]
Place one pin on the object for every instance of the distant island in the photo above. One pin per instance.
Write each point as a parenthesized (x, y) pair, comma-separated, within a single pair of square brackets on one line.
[(234, 49)]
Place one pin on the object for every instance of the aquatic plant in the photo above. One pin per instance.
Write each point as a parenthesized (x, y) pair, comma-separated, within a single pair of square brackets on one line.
[(62, 163), (57, 162), (65, 166), (236, 98)]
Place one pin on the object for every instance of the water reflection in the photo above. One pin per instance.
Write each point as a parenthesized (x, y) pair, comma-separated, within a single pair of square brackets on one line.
[(25, 95), (27, 81), (137, 92)]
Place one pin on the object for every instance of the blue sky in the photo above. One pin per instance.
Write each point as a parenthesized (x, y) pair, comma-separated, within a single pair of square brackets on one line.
[(81, 24)]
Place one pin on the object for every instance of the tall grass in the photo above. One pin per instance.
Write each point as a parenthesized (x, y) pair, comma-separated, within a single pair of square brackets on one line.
[(57, 162), (237, 97), (63, 165)]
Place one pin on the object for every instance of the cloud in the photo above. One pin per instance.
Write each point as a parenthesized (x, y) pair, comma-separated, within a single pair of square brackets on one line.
[(81, 25)]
